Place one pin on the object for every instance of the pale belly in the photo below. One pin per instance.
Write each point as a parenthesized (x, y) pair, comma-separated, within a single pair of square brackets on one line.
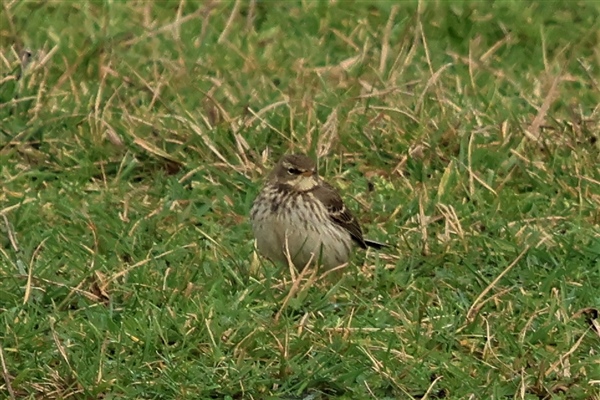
[(306, 237)]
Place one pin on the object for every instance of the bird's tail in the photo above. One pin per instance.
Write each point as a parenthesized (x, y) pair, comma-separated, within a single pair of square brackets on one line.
[(375, 245)]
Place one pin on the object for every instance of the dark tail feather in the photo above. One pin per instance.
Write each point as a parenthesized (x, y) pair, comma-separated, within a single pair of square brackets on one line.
[(375, 245)]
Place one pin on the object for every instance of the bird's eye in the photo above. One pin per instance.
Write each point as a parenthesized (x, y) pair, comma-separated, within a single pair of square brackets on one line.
[(293, 171)]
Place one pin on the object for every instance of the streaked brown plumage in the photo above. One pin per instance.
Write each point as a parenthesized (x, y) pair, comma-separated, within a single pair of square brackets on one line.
[(299, 211)]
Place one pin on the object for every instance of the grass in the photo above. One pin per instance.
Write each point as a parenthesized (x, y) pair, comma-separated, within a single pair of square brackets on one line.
[(133, 141)]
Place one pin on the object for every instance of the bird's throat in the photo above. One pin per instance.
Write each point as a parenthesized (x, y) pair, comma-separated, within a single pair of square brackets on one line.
[(305, 183)]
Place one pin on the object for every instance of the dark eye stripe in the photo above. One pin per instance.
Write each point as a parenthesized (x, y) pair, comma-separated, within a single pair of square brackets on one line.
[(294, 171)]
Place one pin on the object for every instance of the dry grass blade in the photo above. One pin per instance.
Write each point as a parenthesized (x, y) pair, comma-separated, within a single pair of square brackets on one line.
[(296, 279), (229, 24), (562, 358), (328, 134), (207, 141), (430, 388), (59, 345), (474, 309), (533, 131), (385, 46), (6, 375), (30, 272)]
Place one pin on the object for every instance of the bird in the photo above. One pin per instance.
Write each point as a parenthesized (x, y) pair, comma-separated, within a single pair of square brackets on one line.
[(298, 216)]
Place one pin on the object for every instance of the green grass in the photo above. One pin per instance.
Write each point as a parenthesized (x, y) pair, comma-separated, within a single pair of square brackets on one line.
[(133, 142)]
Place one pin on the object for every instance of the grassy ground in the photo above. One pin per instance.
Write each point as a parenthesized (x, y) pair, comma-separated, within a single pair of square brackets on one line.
[(132, 143)]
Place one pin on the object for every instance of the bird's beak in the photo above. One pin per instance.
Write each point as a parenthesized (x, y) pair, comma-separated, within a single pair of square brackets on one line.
[(307, 173)]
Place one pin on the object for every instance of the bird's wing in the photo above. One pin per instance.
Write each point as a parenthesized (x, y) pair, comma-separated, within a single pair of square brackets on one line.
[(338, 212)]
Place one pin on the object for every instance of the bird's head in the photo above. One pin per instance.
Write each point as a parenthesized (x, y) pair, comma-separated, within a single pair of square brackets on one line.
[(297, 171)]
